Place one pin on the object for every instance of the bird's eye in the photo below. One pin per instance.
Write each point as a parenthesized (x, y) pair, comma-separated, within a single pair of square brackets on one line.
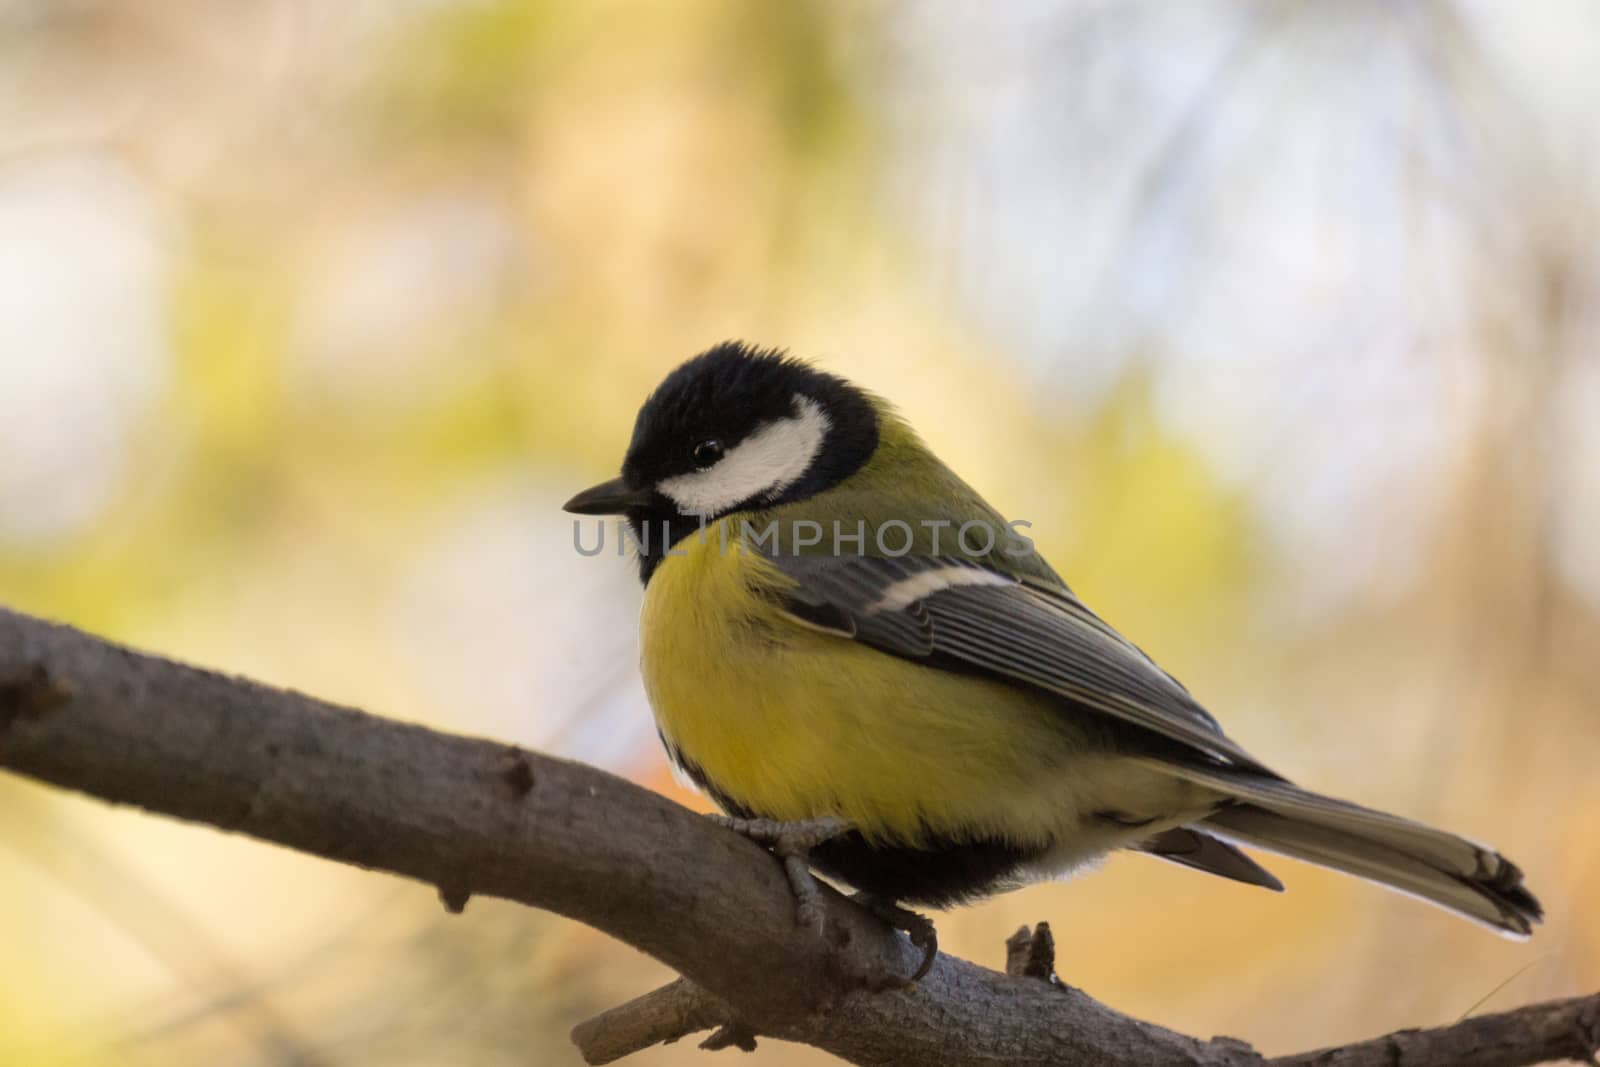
[(706, 453)]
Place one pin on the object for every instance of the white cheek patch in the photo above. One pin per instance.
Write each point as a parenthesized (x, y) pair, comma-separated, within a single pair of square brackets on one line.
[(763, 464)]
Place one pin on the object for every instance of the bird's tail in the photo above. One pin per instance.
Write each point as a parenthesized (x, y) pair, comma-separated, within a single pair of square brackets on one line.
[(1452, 872)]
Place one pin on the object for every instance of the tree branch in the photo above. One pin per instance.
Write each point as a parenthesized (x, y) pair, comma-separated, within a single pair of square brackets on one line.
[(474, 817), (668, 1014)]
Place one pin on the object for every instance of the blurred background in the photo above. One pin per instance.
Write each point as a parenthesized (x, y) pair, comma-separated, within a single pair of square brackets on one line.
[(1277, 319)]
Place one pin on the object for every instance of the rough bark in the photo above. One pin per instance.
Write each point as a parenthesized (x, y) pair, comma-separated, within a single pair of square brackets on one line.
[(477, 817)]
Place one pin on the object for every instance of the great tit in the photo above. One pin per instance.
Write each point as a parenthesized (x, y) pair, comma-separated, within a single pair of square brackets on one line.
[(872, 672)]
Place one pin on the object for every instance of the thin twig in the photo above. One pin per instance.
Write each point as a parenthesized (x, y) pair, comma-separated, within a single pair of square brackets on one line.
[(659, 1017)]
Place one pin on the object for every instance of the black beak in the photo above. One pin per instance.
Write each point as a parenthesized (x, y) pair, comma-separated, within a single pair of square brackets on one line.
[(608, 498)]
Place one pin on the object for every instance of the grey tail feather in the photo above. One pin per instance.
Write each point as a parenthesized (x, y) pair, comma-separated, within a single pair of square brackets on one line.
[(1202, 852), (1467, 878)]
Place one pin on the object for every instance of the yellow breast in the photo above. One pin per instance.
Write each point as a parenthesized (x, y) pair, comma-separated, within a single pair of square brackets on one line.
[(794, 723)]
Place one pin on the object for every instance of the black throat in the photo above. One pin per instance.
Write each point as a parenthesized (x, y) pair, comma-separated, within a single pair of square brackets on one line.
[(657, 531)]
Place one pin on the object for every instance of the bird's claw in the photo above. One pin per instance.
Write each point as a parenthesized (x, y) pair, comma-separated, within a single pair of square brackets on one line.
[(792, 842), (919, 928)]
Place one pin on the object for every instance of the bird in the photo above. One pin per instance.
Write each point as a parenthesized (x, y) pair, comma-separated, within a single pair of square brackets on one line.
[(874, 674)]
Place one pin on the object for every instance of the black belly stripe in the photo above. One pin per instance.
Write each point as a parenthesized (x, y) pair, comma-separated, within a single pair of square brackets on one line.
[(938, 873)]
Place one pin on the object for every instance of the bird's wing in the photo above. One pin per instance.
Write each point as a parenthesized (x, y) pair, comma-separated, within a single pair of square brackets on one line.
[(957, 614), (1189, 847)]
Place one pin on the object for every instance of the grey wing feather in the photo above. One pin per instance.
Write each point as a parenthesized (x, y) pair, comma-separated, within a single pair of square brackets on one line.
[(945, 610), (956, 613), (1202, 852)]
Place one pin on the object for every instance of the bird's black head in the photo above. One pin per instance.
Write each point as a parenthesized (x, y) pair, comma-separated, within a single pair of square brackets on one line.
[(734, 428)]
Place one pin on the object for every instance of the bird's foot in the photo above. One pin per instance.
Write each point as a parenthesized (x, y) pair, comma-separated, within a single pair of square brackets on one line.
[(792, 843), (920, 928)]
